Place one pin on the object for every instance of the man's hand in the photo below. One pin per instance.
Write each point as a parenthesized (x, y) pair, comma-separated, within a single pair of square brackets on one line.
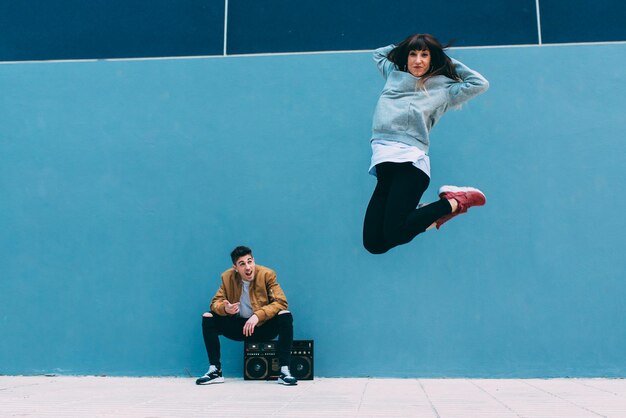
[(231, 308), (248, 327)]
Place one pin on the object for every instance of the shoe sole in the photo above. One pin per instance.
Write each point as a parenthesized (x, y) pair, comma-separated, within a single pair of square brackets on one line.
[(456, 189), (282, 382), (210, 382)]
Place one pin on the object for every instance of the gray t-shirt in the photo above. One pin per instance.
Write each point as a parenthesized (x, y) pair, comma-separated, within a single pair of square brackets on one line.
[(245, 308)]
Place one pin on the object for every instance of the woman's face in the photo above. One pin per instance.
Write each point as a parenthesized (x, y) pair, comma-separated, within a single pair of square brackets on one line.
[(418, 63)]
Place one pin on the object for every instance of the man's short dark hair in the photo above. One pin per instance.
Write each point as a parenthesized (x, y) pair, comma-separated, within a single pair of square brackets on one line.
[(239, 252)]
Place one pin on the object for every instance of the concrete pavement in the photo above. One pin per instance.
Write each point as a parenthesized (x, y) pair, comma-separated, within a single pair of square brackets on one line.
[(89, 396)]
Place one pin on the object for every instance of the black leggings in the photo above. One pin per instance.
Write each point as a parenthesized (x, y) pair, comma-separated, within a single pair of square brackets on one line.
[(392, 218), (231, 327)]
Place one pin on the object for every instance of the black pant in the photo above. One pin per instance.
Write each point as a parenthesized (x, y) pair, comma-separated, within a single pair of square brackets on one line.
[(232, 327), (392, 218)]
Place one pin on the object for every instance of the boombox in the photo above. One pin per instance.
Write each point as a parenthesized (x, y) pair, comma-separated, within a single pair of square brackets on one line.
[(260, 360)]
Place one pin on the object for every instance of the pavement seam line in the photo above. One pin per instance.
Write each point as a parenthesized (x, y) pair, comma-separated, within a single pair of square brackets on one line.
[(362, 396), (601, 390), (566, 400), (294, 397), (496, 399), (428, 397)]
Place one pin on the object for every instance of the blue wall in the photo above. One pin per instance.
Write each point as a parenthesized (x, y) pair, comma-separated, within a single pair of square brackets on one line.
[(71, 29), (124, 185), (97, 29), (322, 25), (582, 20)]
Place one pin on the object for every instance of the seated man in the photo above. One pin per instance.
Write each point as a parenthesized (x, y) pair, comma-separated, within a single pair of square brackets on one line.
[(250, 306)]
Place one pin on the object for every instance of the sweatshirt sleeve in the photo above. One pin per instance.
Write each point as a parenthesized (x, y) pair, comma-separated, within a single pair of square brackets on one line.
[(384, 65), (472, 84)]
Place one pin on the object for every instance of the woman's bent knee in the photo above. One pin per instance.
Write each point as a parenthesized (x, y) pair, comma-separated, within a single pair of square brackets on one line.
[(375, 249)]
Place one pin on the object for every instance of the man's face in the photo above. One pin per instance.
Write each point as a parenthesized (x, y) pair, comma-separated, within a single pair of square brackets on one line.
[(245, 267)]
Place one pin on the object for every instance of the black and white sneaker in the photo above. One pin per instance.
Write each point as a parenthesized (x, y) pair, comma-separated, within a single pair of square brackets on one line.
[(212, 376), (287, 379)]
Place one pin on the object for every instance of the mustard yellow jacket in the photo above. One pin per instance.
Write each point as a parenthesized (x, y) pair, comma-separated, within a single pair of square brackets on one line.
[(266, 296)]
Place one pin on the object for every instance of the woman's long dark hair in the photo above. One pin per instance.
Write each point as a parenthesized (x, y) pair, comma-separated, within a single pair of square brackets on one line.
[(440, 63)]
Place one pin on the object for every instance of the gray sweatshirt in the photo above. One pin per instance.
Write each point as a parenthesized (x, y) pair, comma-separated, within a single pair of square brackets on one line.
[(406, 113)]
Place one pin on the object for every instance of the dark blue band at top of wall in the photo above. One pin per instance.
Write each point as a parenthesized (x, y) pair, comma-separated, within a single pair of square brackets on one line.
[(320, 25), (78, 29), (83, 29), (583, 21)]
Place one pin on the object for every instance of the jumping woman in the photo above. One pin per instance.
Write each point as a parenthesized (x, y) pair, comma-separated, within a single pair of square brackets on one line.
[(422, 83)]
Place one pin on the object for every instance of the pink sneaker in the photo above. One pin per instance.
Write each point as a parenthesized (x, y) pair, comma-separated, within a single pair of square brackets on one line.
[(466, 198)]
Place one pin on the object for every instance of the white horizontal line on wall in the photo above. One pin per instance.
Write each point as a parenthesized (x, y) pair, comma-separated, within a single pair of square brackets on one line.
[(583, 43), (271, 54), (541, 46), (49, 61), (113, 59)]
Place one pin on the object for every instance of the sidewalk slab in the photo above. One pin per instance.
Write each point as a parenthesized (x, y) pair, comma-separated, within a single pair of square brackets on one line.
[(90, 396)]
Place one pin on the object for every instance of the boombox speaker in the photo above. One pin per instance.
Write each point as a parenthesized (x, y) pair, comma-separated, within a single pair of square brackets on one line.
[(260, 360)]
